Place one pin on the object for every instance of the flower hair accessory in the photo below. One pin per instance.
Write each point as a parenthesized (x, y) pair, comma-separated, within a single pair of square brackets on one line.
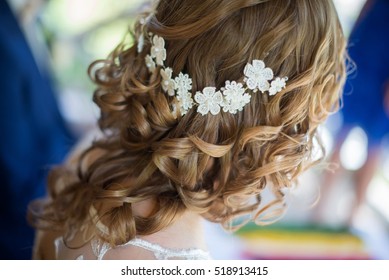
[(231, 98)]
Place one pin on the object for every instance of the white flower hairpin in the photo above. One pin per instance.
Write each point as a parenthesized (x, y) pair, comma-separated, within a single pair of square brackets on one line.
[(231, 98)]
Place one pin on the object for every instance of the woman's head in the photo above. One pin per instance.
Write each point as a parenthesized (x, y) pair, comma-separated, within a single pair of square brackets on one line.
[(215, 165)]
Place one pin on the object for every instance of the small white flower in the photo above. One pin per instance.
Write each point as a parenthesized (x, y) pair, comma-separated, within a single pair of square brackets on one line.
[(145, 20), (168, 84), (209, 101), (235, 97), (141, 42), (158, 50), (150, 63), (185, 101), (257, 76), (183, 83), (277, 85), (184, 96), (141, 39)]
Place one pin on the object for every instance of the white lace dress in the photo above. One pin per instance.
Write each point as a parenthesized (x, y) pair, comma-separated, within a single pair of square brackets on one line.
[(97, 250)]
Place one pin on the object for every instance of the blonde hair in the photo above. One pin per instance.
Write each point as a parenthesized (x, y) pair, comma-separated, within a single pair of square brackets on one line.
[(216, 166)]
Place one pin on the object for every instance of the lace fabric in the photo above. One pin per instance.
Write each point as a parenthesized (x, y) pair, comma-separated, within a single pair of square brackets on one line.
[(100, 249), (162, 253)]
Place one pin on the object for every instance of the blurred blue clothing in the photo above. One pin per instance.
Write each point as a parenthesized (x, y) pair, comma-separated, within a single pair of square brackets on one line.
[(33, 136), (365, 89)]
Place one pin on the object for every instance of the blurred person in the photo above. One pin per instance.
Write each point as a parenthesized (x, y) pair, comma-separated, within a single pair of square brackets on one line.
[(33, 133), (216, 102), (367, 104)]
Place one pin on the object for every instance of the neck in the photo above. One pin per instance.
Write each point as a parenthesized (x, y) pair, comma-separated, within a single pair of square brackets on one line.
[(185, 232)]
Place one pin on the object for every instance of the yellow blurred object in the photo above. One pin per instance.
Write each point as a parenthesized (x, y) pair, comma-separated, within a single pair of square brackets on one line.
[(301, 243)]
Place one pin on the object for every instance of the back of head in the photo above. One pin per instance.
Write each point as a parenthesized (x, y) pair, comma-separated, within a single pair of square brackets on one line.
[(214, 164)]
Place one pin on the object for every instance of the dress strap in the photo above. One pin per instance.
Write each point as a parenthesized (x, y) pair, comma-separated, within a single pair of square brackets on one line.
[(161, 253)]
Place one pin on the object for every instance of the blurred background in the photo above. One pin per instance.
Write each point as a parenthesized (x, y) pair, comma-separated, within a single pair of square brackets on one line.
[(76, 33)]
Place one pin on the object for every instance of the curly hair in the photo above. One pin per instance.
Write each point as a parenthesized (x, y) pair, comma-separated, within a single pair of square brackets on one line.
[(216, 166)]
